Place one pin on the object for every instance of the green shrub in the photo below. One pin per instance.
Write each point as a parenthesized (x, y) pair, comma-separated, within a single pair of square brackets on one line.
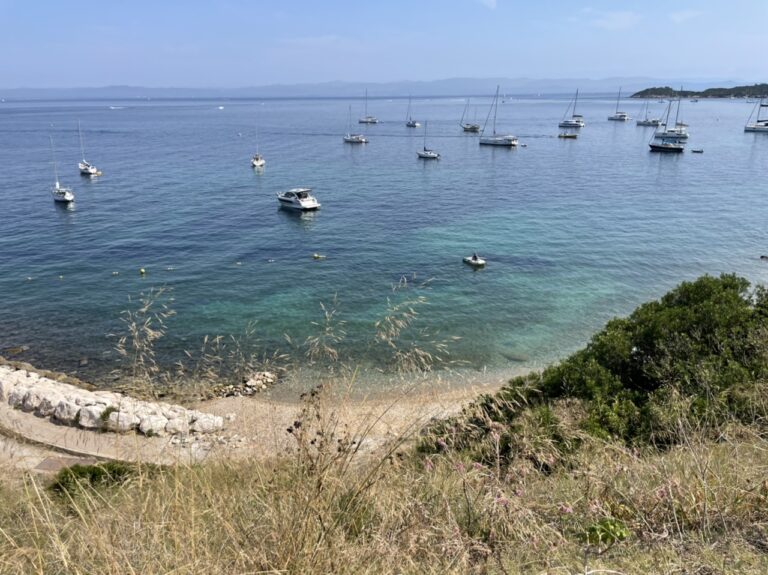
[(698, 357)]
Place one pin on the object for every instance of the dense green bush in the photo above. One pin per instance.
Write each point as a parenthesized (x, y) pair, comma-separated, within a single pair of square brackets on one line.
[(697, 357)]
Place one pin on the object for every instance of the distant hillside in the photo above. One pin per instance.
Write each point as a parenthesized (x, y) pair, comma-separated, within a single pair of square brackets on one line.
[(753, 91), (452, 87)]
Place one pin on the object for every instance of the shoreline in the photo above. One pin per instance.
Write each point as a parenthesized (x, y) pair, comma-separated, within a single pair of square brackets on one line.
[(256, 424)]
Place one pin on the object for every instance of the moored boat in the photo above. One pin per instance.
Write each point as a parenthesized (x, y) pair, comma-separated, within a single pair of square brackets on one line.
[(760, 124), (61, 194), (507, 141), (298, 199), (474, 260), (576, 120)]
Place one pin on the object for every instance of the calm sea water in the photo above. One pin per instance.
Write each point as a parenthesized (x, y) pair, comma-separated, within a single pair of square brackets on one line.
[(575, 232)]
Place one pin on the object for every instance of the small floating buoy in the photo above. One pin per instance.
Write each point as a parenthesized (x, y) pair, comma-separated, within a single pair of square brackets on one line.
[(170, 268), (698, 151), (29, 278), (270, 261), (764, 257), (142, 272), (61, 277), (523, 145), (318, 256), (115, 273), (238, 263)]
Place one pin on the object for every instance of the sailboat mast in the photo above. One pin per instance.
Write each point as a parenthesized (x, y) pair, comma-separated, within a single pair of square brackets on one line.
[(618, 98), (53, 158), (495, 108), (677, 112), (366, 103), (80, 133), (575, 101), (425, 135)]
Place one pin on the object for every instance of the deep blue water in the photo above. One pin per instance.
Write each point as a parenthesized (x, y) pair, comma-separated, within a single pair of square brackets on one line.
[(575, 232)]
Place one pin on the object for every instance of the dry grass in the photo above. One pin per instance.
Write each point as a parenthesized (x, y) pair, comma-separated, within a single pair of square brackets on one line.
[(326, 507)]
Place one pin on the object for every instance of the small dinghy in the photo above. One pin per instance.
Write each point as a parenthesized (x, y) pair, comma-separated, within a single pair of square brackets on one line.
[(474, 260)]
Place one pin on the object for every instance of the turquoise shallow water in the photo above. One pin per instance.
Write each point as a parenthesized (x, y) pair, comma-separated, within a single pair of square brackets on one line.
[(575, 232)]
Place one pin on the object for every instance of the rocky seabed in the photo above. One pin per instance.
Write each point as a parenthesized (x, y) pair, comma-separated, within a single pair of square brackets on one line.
[(67, 404)]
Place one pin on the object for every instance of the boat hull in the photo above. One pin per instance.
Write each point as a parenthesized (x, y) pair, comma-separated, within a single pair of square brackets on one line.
[(502, 141), (667, 148), (473, 128), (474, 262), (756, 128), (428, 155)]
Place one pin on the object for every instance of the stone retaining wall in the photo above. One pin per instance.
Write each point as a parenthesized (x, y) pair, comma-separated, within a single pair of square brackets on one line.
[(67, 404)]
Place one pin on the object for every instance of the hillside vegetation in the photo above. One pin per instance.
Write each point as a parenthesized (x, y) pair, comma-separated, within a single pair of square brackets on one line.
[(646, 452), (753, 91)]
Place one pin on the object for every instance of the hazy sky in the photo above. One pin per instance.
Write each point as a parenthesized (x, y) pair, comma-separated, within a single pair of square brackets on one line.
[(233, 43)]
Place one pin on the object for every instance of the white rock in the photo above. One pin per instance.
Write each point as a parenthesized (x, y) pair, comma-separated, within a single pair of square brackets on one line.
[(153, 425), (7, 383), (177, 425), (32, 400), (206, 423), (90, 416), (48, 405), (16, 397), (122, 421), (66, 412)]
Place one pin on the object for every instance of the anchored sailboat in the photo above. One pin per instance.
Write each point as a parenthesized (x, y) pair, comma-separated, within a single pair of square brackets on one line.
[(619, 116), (426, 153), (60, 193), (409, 121), (468, 126), (351, 138), (576, 120), (495, 139), (86, 168), (367, 119)]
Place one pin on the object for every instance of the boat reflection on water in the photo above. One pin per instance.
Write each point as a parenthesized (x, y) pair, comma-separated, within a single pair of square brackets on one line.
[(306, 219)]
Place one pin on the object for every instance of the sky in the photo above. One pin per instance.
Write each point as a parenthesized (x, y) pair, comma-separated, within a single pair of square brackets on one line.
[(239, 43)]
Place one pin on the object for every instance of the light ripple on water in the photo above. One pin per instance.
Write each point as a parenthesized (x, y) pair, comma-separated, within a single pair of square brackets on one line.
[(575, 232)]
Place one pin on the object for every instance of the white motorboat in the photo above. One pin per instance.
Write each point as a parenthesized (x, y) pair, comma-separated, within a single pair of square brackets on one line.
[(298, 199), (474, 260), (60, 193), (617, 115), (367, 118), (576, 120), (760, 124), (471, 127), (85, 167), (351, 138), (409, 121), (425, 153), (495, 139)]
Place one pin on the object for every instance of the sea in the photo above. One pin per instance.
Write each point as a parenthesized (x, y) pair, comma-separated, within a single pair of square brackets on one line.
[(575, 232)]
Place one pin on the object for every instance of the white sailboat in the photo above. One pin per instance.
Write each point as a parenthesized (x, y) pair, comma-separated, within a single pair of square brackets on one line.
[(667, 145), (409, 121), (86, 168), (426, 153), (619, 116), (257, 160), (367, 119), (576, 120), (680, 129), (648, 121), (468, 126), (495, 139), (351, 138), (60, 193), (760, 124)]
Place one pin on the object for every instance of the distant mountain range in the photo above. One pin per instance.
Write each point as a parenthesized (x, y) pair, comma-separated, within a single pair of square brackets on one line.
[(447, 87)]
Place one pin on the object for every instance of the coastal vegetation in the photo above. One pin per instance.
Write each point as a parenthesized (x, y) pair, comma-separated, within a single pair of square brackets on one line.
[(753, 91), (645, 452)]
